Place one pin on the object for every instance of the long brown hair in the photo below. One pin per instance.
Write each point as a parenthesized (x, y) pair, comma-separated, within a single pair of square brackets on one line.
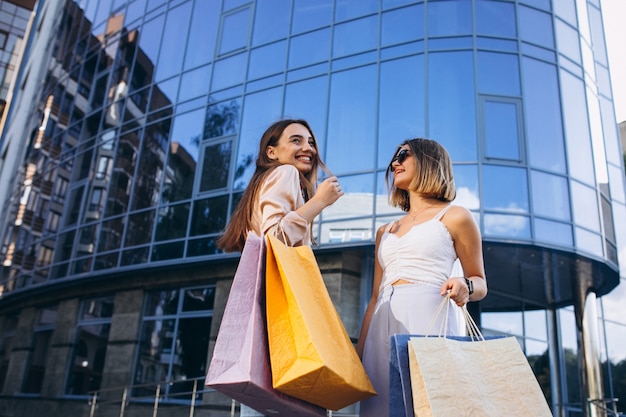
[(234, 236), (433, 174)]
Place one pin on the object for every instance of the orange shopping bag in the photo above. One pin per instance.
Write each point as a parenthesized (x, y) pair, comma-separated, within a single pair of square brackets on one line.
[(311, 354)]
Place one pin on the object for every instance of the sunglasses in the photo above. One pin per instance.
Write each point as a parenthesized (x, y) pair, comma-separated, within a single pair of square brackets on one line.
[(401, 156)]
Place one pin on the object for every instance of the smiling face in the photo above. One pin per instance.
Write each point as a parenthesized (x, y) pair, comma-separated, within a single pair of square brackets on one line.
[(296, 146), (403, 167)]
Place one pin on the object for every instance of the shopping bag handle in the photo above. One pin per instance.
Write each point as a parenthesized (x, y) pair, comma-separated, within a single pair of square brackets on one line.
[(444, 307)]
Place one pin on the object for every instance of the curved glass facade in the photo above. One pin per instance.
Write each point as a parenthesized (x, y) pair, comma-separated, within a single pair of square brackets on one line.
[(144, 132)]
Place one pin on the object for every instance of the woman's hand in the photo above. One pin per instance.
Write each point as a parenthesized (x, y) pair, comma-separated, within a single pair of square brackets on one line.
[(328, 191), (459, 292)]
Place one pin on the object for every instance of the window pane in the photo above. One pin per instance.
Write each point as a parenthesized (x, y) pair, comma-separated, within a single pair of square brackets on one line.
[(202, 34), (401, 105), (309, 48), (198, 299), (585, 205), (568, 41), (449, 18), (171, 55), (550, 196), (183, 156), (215, 166), (352, 115), (172, 222), (536, 27), (267, 60), (505, 189), (195, 83), (139, 228), (348, 9), (222, 118), (495, 19), (553, 232), (229, 72), (276, 11), (502, 225), (542, 109), (309, 15), (410, 19), (466, 182), (498, 74), (235, 31), (452, 97), (589, 242), (355, 36), (209, 215), (147, 181), (501, 130)]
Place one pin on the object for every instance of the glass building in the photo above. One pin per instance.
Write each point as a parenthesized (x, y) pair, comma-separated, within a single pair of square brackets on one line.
[(132, 130)]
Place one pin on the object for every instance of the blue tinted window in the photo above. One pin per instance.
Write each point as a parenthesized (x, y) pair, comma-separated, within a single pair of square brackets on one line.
[(195, 83), (611, 140), (267, 60), (229, 72), (235, 29), (302, 101), (309, 48), (466, 182), (494, 18), (309, 15), (553, 232), (401, 105), (505, 189), (501, 130), (589, 242), (597, 35), (566, 10), (409, 19), (585, 205), (388, 4), (568, 41), (451, 97), (576, 122), (540, 4), (276, 11), (150, 38), (498, 74), (449, 18), (171, 56), (352, 120), (506, 226), (202, 34), (616, 183), (261, 109), (349, 9), (355, 36), (536, 27), (542, 109), (550, 196), (358, 201)]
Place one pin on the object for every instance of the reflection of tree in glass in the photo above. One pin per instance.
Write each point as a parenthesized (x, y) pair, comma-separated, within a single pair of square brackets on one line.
[(221, 119)]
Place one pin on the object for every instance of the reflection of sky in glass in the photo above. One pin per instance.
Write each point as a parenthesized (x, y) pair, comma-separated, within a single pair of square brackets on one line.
[(352, 118), (409, 18), (309, 14), (449, 18), (171, 55), (505, 188), (235, 31), (536, 27), (495, 19), (355, 36), (302, 102), (506, 226), (187, 131)]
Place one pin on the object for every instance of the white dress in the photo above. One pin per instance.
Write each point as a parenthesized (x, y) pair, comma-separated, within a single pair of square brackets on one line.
[(424, 256)]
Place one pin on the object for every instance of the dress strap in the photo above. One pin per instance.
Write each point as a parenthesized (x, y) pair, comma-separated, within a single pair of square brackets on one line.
[(442, 212)]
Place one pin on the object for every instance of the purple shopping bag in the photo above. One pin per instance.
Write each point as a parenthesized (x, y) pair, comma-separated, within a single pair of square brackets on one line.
[(240, 367)]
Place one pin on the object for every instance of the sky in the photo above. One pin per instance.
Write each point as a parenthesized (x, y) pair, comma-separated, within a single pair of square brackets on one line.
[(614, 16)]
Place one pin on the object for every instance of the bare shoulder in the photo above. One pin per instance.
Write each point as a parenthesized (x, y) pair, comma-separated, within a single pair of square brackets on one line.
[(458, 216)]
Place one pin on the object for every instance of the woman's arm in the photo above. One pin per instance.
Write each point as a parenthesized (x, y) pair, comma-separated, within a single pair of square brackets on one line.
[(468, 245), (378, 276)]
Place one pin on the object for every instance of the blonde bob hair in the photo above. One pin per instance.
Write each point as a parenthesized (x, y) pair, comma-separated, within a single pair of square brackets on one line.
[(433, 173)]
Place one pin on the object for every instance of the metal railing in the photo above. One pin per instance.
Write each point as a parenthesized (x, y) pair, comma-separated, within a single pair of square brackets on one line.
[(167, 399), (602, 404)]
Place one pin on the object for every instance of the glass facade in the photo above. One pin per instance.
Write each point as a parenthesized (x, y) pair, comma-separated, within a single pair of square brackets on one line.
[(141, 133)]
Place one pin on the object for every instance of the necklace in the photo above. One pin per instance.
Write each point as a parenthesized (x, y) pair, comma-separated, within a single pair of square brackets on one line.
[(413, 216)]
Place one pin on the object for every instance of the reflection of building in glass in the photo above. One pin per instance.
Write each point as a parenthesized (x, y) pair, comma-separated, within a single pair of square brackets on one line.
[(133, 135)]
